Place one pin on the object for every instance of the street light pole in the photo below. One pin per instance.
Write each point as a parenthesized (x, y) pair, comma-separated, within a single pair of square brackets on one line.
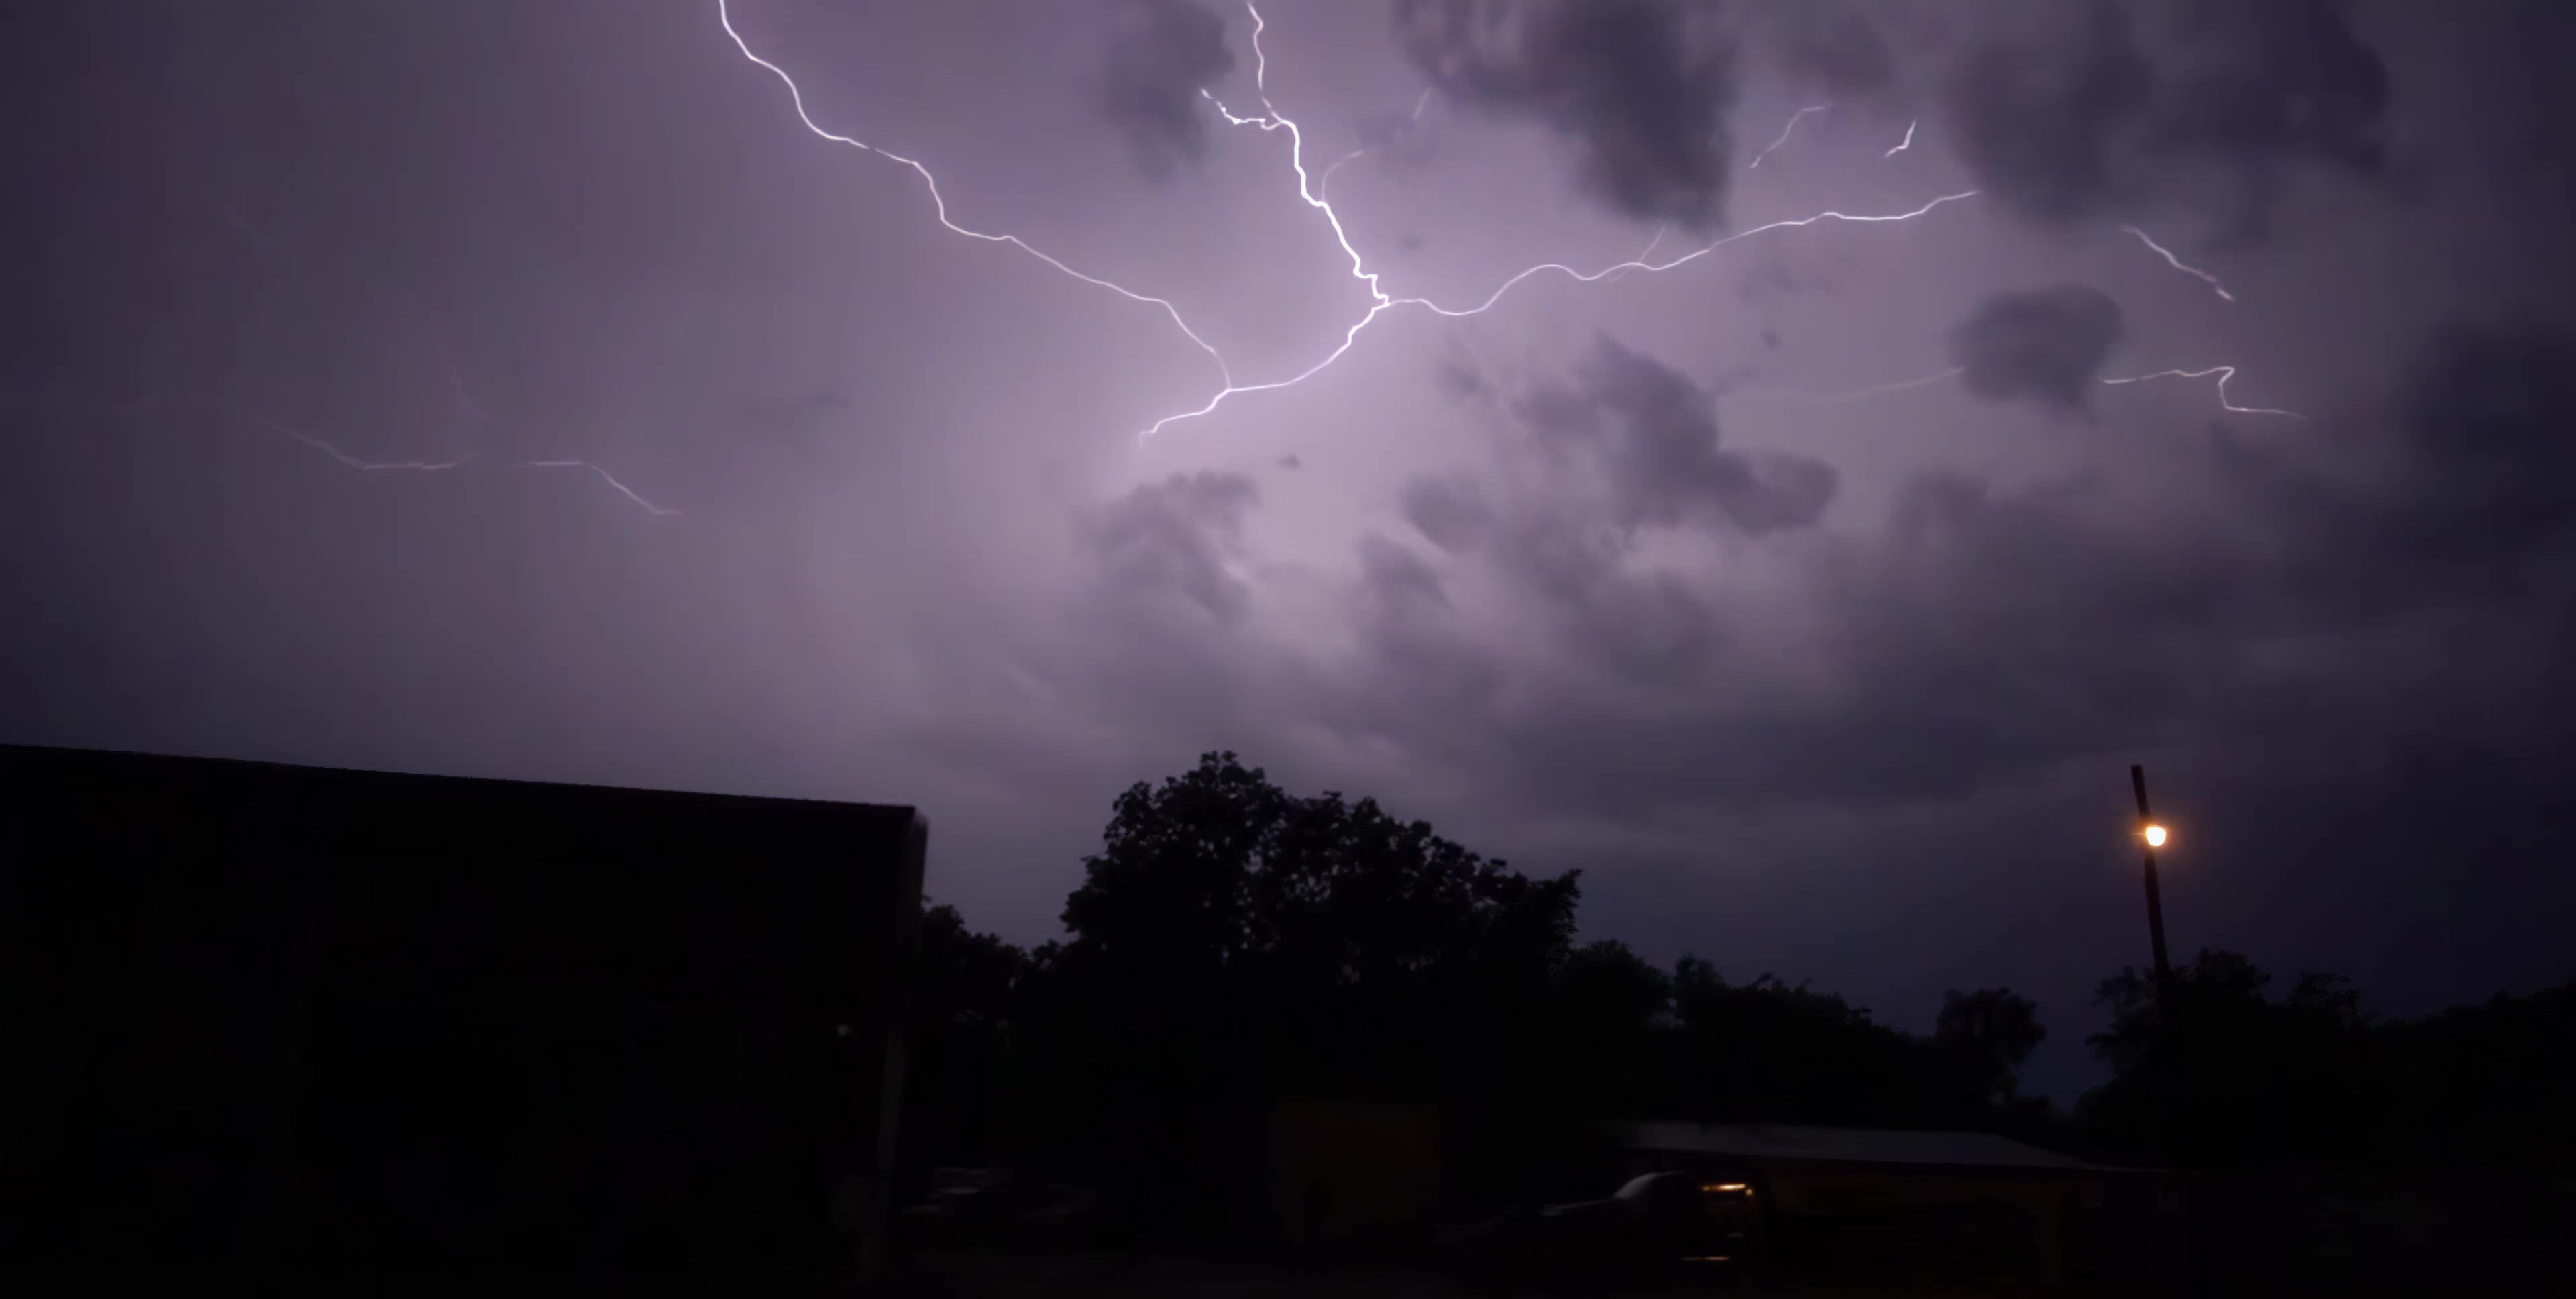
[(2149, 835)]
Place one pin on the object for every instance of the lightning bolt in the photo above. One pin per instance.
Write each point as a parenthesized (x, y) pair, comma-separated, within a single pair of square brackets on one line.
[(1907, 142), (1308, 189), (1687, 258), (354, 462), (432, 466), (1311, 189), (2176, 262), (1881, 388), (939, 202), (605, 476), (2224, 373), (1784, 134)]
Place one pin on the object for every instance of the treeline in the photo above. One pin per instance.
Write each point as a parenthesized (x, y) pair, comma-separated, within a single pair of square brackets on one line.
[(1232, 944)]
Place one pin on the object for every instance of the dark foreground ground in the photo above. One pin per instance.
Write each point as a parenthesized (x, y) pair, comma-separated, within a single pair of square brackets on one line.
[(1080, 1276)]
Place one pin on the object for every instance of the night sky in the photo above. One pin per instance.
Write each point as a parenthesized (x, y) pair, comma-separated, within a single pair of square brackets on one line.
[(522, 389)]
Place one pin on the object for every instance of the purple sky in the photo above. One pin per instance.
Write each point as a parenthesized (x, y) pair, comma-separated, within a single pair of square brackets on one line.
[(1603, 577)]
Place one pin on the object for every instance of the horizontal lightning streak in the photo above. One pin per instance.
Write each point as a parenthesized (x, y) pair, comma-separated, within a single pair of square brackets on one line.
[(1899, 386), (433, 466), (2176, 262), (354, 462), (1688, 257), (2224, 373), (1784, 133), (1648, 251), (940, 202)]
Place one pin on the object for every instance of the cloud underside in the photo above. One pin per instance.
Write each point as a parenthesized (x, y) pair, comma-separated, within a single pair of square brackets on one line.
[(1978, 636)]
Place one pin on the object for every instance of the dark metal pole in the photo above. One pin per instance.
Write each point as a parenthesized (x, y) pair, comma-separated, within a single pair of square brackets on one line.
[(2155, 899)]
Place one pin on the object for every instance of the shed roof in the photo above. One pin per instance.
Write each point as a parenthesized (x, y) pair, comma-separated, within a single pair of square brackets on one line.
[(1845, 1145)]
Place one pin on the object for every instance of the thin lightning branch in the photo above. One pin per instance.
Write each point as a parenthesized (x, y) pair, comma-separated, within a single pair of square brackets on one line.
[(1649, 250), (797, 96), (2224, 373), (1784, 133), (1324, 183), (1686, 258), (605, 476), (1899, 386), (2176, 262), (1907, 142), (414, 466)]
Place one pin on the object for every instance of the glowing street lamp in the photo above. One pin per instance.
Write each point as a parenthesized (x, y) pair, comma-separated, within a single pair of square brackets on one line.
[(2154, 834)]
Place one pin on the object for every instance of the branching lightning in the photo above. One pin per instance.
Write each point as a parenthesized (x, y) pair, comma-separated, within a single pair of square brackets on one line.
[(1309, 189), (2176, 262), (940, 203), (1312, 190)]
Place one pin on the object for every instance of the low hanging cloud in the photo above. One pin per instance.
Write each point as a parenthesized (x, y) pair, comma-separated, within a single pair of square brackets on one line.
[(2044, 345), (1643, 87), (1166, 52), (1652, 434)]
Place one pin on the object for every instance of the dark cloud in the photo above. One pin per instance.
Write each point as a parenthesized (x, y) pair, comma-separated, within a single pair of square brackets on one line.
[(2279, 80), (1626, 443), (1641, 86), (1652, 434), (1166, 52), (2462, 498), (2043, 344), (1837, 44), (1174, 538), (1397, 579), (1289, 461), (2042, 126), (2139, 100), (1452, 513), (1461, 381), (1421, 662)]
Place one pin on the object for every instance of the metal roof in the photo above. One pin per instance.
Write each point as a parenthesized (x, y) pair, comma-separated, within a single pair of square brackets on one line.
[(1845, 1145)]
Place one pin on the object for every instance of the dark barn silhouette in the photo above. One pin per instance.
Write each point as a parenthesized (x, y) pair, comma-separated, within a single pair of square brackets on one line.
[(304, 1021)]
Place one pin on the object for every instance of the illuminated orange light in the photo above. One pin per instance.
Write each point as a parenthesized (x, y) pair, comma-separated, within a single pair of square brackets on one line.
[(2155, 836)]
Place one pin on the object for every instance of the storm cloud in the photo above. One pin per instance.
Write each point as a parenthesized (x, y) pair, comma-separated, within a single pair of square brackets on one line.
[(2045, 345), (1165, 53), (2113, 105), (1638, 84), (1845, 688), (1651, 435)]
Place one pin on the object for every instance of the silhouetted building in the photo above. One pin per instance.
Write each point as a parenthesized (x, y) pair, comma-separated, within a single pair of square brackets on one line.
[(289, 1019), (1873, 1202)]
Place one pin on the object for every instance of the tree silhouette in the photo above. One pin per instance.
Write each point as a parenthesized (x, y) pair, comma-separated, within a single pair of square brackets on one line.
[(1985, 1036)]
